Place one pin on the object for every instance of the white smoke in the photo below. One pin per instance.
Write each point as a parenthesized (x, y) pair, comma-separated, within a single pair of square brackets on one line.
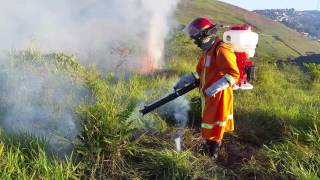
[(177, 111), (36, 100), (109, 33), (113, 34)]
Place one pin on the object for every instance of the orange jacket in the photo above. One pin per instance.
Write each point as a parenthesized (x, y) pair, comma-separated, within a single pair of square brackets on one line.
[(217, 112)]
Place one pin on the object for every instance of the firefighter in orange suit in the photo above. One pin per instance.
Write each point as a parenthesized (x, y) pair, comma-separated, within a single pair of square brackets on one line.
[(218, 71)]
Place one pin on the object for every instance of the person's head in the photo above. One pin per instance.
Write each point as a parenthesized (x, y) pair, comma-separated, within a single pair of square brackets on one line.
[(202, 31)]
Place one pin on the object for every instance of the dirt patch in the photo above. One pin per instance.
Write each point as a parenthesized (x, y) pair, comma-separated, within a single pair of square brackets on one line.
[(234, 152), (233, 155)]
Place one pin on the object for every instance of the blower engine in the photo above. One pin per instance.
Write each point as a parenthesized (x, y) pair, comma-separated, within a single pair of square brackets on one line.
[(244, 42)]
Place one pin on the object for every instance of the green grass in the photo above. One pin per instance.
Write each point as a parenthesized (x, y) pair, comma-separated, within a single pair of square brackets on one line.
[(314, 70), (281, 110), (279, 118), (279, 41), (272, 48), (24, 157)]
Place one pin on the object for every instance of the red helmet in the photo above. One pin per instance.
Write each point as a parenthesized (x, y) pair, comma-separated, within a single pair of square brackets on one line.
[(200, 27)]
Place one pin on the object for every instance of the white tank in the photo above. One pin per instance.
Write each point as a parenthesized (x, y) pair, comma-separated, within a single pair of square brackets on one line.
[(242, 39)]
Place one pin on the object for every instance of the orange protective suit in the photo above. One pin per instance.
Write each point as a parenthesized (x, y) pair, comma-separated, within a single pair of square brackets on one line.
[(217, 111)]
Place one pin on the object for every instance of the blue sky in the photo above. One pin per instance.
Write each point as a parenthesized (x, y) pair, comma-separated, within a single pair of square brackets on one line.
[(273, 4)]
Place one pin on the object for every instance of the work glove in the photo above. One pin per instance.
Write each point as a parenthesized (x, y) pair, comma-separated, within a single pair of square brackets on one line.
[(217, 86), (186, 79)]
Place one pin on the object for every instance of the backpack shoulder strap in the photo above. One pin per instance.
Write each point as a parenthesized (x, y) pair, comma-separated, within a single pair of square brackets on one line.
[(216, 49)]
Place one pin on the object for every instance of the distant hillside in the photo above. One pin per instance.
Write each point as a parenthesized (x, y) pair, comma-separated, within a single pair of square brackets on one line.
[(275, 38), (307, 22)]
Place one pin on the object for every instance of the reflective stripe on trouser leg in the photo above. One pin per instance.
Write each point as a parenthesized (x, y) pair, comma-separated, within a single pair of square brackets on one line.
[(213, 131)]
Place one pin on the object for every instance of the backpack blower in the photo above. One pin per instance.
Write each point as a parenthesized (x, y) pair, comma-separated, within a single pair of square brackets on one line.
[(244, 43)]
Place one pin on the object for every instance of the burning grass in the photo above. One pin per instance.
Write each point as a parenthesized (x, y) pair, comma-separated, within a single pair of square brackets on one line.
[(277, 123), (276, 137)]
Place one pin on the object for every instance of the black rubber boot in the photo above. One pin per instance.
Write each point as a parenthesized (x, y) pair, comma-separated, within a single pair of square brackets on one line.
[(213, 148)]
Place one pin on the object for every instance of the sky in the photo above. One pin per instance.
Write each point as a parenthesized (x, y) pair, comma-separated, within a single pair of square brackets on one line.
[(276, 4)]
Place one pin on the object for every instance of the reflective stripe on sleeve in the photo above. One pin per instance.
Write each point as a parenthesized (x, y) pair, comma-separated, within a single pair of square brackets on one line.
[(230, 79)]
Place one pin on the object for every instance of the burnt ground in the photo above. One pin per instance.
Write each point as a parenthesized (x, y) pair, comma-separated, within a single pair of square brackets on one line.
[(234, 152), (310, 58), (299, 61)]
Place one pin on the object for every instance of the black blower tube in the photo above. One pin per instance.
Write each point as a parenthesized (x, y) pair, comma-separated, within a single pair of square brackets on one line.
[(170, 97)]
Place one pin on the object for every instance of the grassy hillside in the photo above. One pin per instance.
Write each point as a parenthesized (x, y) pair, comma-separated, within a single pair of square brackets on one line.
[(277, 123), (275, 38), (277, 128)]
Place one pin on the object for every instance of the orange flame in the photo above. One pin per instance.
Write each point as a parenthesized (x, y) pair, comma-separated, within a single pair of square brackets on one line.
[(148, 65)]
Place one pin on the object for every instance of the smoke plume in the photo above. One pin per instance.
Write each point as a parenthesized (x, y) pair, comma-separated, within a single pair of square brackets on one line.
[(176, 112), (38, 101), (113, 34)]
